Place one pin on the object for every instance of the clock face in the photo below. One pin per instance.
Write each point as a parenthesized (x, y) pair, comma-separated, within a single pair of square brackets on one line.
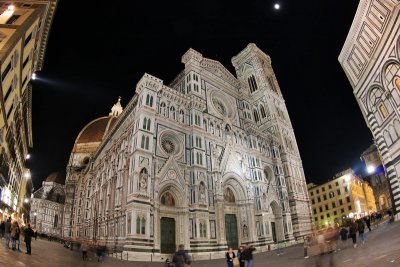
[(219, 106)]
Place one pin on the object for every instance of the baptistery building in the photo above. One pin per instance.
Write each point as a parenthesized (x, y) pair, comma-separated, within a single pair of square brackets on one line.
[(209, 161)]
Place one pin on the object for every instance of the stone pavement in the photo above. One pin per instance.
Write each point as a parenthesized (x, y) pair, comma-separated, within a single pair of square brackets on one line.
[(381, 249)]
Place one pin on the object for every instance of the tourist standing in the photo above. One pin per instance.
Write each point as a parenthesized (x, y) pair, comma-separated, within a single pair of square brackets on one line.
[(248, 252), (28, 232), (181, 257), (305, 246), (14, 234), (368, 223), (241, 256), (343, 238), (361, 228), (7, 231), (2, 228), (353, 232), (230, 255)]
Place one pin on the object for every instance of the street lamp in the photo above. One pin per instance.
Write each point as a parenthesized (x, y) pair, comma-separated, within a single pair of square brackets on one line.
[(26, 200), (370, 169), (27, 175)]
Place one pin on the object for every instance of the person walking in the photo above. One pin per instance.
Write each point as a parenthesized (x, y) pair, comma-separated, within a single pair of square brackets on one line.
[(305, 246), (2, 228), (368, 222), (241, 256), (353, 232), (181, 257), (248, 255), (343, 238), (28, 232), (230, 255), (14, 234), (84, 249), (361, 228), (7, 232)]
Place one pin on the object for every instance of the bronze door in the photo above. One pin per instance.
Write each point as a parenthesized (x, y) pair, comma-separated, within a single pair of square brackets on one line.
[(231, 231), (168, 235)]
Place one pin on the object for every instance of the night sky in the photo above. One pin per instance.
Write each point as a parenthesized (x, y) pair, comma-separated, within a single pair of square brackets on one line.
[(98, 51)]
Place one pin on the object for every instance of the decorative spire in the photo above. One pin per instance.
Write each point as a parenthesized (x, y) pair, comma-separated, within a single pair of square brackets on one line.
[(117, 109)]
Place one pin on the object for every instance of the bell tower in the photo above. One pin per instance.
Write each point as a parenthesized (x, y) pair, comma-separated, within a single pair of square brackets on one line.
[(268, 112)]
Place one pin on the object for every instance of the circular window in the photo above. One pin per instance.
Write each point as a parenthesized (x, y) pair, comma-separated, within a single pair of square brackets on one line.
[(219, 106), (167, 145)]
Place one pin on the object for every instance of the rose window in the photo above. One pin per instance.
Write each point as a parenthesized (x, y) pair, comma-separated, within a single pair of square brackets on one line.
[(168, 146)]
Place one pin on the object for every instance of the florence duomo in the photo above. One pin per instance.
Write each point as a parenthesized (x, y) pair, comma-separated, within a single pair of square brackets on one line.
[(209, 161)]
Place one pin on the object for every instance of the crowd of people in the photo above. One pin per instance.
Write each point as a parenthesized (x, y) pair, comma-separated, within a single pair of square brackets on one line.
[(12, 230), (335, 239)]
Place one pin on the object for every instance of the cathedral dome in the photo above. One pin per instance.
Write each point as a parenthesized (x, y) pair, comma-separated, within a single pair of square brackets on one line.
[(93, 133), (95, 130), (56, 177)]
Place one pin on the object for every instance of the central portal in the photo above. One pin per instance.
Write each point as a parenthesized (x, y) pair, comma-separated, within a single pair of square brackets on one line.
[(168, 235), (231, 231)]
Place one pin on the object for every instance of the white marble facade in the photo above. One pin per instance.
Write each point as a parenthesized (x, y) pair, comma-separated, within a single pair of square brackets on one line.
[(209, 161), (370, 58)]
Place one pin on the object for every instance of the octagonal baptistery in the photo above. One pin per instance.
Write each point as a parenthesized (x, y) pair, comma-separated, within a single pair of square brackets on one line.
[(210, 162)]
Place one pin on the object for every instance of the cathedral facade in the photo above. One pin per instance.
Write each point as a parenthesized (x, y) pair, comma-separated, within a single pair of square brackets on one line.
[(210, 161)]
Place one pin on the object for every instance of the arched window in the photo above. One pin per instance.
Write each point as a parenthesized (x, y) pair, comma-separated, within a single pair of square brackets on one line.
[(162, 109), (218, 130), (256, 117), (173, 114), (211, 128), (146, 124), (182, 116), (205, 125), (138, 225), (252, 83), (143, 226), (55, 221), (149, 100), (262, 110), (145, 142)]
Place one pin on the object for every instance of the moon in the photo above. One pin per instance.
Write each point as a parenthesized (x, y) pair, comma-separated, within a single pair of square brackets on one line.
[(277, 6)]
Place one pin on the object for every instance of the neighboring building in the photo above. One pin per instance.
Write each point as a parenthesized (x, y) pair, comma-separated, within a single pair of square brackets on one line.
[(344, 197), (210, 161), (371, 60), (47, 205), (24, 30), (377, 178)]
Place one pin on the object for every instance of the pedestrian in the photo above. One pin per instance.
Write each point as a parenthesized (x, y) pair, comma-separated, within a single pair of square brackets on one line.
[(230, 255), (84, 249), (14, 234), (181, 257), (28, 232), (321, 242), (305, 246), (353, 233), (241, 256), (248, 252), (361, 228), (2, 228), (343, 238), (368, 222), (7, 231)]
